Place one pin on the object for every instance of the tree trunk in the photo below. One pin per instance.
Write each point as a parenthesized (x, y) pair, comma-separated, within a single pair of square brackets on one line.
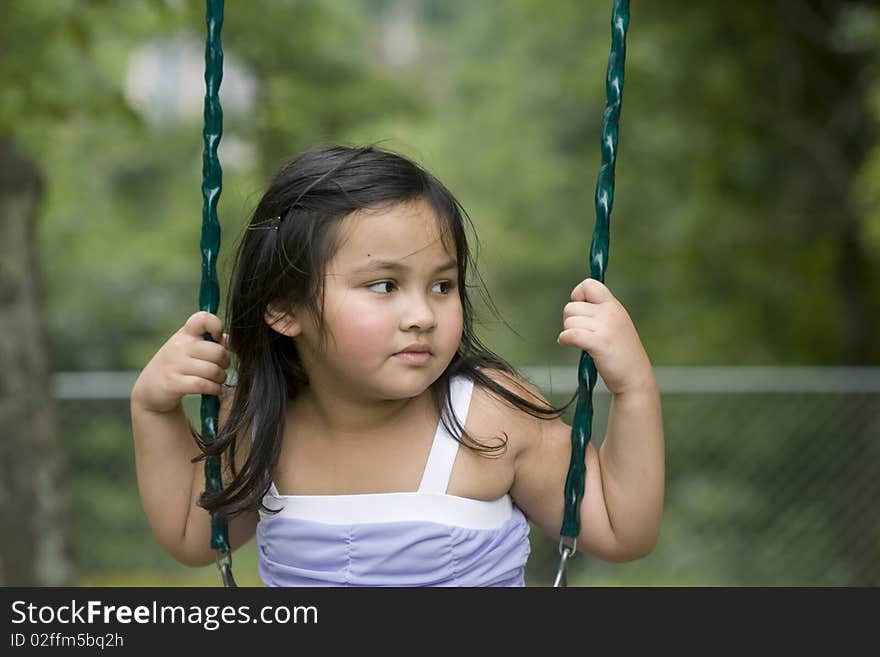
[(34, 545)]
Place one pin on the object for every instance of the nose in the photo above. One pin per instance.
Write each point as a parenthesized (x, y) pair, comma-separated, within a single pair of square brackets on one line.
[(418, 315)]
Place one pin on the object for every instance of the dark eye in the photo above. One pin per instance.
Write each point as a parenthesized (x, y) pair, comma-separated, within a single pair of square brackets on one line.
[(382, 287), (445, 287)]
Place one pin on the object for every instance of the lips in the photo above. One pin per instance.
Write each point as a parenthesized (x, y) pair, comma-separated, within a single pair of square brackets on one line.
[(416, 349), (415, 354)]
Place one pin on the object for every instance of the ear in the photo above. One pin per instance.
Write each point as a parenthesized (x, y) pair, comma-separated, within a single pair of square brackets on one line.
[(282, 322)]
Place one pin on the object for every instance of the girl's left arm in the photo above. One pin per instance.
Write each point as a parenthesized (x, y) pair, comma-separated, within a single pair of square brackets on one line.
[(631, 463), (622, 508)]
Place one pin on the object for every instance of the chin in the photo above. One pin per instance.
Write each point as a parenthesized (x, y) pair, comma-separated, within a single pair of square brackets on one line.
[(406, 386)]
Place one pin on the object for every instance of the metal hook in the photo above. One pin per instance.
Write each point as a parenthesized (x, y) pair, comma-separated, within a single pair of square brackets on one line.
[(565, 552), (225, 568)]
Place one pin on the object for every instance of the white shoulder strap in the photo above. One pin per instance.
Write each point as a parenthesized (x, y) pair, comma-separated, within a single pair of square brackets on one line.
[(438, 469)]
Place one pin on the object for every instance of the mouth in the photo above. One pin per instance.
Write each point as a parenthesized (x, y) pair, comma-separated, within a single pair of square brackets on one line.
[(415, 355)]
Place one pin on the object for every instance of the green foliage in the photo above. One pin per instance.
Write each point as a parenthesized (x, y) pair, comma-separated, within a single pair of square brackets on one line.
[(746, 190), (746, 226)]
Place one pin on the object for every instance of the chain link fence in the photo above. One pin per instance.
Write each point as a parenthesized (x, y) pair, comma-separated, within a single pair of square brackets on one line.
[(772, 480)]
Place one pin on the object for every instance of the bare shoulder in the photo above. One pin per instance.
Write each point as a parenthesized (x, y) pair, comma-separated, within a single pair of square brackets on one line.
[(541, 448), (500, 432), (541, 455), (496, 414)]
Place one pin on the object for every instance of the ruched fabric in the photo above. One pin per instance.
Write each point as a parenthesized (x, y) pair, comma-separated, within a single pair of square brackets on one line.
[(296, 552)]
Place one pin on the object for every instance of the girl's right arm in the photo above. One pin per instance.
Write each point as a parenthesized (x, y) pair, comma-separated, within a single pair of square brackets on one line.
[(169, 482)]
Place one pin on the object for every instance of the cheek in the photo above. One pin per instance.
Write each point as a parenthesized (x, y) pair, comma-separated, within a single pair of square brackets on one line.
[(455, 324), (356, 324)]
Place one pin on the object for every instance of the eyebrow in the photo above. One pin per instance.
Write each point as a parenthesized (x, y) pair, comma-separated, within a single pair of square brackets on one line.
[(394, 265)]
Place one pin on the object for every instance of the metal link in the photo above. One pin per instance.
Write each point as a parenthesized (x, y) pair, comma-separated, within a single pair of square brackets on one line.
[(565, 552), (223, 558)]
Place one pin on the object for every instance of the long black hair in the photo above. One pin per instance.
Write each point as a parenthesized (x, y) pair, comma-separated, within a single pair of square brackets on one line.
[(281, 261)]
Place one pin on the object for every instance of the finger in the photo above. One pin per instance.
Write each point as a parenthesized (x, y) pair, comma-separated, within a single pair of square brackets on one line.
[(196, 385), (583, 339), (592, 291), (210, 351), (580, 322), (205, 370), (579, 309), (204, 322)]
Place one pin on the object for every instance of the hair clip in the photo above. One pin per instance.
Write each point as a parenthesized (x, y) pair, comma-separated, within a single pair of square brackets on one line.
[(267, 224)]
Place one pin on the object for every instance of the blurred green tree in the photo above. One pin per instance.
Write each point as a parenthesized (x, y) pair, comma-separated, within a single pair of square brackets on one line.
[(747, 220)]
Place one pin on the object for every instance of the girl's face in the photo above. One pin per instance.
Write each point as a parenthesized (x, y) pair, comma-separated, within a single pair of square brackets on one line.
[(391, 306)]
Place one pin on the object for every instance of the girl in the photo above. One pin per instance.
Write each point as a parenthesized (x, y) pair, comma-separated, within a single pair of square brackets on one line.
[(371, 439)]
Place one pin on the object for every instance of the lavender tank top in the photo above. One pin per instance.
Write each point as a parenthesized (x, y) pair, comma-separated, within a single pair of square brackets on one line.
[(420, 538)]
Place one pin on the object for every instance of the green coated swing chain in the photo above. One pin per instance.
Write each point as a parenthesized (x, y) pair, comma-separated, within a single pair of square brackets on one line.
[(209, 291), (581, 428)]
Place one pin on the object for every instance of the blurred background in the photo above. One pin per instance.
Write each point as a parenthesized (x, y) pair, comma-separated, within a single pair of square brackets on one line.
[(745, 242)]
